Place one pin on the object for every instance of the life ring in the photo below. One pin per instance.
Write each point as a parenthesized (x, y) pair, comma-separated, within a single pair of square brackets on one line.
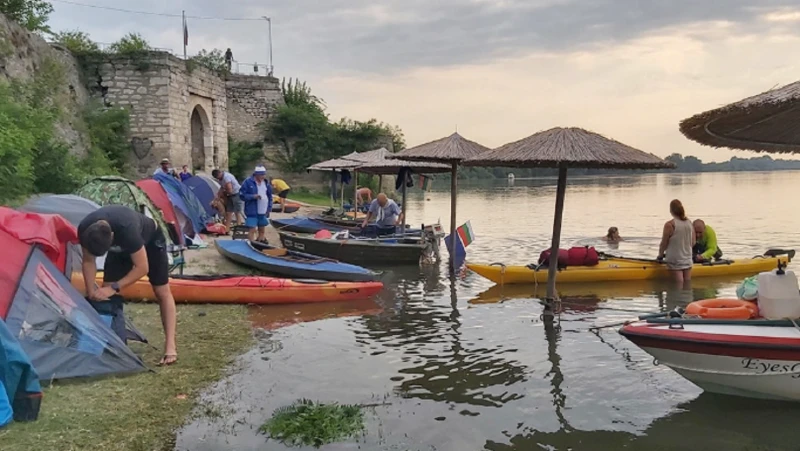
[(723, 309)]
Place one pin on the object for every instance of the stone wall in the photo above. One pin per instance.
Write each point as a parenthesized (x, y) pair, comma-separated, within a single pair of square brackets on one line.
[(251, 101)]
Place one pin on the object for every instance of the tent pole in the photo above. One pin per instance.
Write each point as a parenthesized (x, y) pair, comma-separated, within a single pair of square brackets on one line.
[(403, 230), (551, 274), (453, 194)]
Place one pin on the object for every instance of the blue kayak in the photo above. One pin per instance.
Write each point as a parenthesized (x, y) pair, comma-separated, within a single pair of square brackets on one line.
[(291, 264)]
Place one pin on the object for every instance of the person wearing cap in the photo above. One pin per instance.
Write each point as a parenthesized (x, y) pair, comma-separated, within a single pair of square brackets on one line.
[(256, 193), (165, 168)]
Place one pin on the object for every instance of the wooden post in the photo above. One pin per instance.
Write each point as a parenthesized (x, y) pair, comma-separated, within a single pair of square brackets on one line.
[(333, 188), (355, 194), (453, 196), (380, 183), (551, 274), (405, 188)]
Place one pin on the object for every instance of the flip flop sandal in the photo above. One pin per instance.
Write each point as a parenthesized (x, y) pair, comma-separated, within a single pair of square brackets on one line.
[(168, 359)]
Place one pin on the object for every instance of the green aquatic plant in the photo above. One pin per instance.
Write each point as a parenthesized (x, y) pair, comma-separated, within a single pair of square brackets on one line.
[(306, 422)]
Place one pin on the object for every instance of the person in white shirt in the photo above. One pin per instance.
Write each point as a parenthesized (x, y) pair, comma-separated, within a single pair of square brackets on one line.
[(229, 192)]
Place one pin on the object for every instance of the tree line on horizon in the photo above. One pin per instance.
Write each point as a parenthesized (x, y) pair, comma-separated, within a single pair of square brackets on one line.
[(687, 164)]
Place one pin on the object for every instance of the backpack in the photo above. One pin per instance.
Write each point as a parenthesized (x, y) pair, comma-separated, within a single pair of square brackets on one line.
[(563, 258), (582, 256)]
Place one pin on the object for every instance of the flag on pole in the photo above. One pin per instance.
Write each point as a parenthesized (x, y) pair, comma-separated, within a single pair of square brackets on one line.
[(466, 234), (458, 254), (424, 182)]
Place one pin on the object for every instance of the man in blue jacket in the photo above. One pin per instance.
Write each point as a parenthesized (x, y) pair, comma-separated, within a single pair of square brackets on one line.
[(256, 193)]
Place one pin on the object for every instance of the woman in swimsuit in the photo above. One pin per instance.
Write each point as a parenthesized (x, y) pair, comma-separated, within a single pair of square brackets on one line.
[(677, 241)]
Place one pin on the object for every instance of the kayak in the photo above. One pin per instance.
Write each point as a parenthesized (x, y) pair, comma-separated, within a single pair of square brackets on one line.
[(291, 207), (304, 224), (291, 263), (236, 289), (616, 269)]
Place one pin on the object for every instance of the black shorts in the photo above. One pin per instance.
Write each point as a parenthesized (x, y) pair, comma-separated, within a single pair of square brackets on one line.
[(284, 194), (118, 265)]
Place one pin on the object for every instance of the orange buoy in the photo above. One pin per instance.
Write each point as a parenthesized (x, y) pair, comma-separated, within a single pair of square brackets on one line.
[(723, 309), (323, 234)]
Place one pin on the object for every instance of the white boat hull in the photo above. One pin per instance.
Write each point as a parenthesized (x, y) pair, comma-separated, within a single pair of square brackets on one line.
[(751, 361)]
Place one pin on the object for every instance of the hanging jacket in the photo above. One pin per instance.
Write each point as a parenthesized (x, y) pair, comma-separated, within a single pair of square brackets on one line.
[(248, 193), (404, 175)]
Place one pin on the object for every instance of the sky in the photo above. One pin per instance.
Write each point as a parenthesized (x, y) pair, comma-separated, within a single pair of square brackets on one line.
[(494, 70)]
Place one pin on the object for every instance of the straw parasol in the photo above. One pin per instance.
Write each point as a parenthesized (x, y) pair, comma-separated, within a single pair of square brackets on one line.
[(563, 148), (450, 150), (767, 122)]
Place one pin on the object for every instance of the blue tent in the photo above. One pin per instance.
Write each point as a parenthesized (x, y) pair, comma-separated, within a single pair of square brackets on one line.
[(62, 334), (203, 192), (20, 393), (189, 204)]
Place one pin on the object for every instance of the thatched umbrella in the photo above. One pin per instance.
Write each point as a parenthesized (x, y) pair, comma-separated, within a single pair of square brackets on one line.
[(767, 122), (450, 150), (563, 148)]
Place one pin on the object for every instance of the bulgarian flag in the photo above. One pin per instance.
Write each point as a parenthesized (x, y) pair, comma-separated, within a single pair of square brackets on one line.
[(424, 182), (466, 234)]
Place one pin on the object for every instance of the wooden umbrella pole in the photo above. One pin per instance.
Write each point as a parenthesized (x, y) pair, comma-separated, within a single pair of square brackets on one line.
[(380, 182), (403, 230), (355, 194), (453, 194), (333, 188), (551, 274)]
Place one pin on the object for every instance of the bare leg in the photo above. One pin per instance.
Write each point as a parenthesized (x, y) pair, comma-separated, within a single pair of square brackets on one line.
[(251, 234), (262, 233), (678, 277), (687, 275), (228, 220), (168, 320)]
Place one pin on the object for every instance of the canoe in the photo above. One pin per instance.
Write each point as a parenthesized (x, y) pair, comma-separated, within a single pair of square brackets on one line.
[(236, 289), (291, 264), (359, 251), (291, 207), (615, 269), (752, 358), (305, 224)]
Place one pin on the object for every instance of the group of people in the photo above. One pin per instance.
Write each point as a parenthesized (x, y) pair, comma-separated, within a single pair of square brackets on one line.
[(683, 242)]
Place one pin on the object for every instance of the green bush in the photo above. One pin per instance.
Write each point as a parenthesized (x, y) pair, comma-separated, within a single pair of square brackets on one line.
[(213, 60), (312, 423), (31, 14), (76, 41), (130, 43), (108, 129), (55, 170), (241, 156)]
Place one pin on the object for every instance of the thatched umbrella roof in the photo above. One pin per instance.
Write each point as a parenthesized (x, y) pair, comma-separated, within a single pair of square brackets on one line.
[(453, 148), (767, 122), (564, 148), (572, 147)]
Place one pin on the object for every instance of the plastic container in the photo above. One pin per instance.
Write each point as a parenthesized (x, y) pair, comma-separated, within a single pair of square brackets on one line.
[(778, 295)]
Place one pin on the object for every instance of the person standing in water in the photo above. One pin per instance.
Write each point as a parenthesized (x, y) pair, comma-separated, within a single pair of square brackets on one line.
[(677, 242), (612, 236)]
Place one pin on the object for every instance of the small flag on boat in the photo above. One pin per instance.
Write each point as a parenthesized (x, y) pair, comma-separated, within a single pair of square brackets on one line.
[(465, 233), (185, 33), (458, 255), (424, 182)]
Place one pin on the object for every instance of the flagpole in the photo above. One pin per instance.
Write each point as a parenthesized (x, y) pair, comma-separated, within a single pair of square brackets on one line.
[(183, 16)]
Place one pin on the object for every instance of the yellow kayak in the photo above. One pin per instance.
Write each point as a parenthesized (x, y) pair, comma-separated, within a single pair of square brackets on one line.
[(616, 269)]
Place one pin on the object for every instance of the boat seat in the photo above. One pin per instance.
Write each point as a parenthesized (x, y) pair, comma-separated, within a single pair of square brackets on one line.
[(276, 252)]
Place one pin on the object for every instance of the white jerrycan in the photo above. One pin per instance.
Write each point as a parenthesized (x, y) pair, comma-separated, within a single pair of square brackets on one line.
[(778, 294)]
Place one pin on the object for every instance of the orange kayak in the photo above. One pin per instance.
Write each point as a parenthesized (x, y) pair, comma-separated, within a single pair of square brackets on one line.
[(235, 289)]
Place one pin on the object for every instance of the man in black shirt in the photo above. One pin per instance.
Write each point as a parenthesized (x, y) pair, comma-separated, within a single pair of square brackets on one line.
[(136, 247)]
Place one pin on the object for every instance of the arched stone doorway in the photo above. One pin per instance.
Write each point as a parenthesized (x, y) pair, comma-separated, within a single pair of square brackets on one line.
[(202, 143)]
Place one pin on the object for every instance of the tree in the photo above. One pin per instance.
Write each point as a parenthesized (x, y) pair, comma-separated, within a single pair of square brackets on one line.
[(213, 60), (31, 14), (130, 43), (76, 41)]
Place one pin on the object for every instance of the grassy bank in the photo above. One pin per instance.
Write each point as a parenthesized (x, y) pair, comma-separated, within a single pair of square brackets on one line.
[(140, 412), (323, 200)]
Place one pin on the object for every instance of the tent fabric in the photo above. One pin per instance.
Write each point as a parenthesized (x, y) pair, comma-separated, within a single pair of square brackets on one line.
[(52, 233), (212, 183), (63, 336), (18, 379), (159, 197), (73, 208), (194, 208), (182, 212), (110, 190), (203, 192)]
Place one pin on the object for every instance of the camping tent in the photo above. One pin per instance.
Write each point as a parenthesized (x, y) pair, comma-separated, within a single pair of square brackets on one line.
[(61, 333), (172, 215), (212, 183), (181, 194), (111, 190), (73, 208), (204, 193), (20, 392)]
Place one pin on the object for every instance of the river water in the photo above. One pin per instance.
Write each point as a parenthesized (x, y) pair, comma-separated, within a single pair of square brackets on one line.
[(460, 365)]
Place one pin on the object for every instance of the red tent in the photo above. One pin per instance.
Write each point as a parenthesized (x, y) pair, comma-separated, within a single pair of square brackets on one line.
[(18, 232), (159, 197)]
